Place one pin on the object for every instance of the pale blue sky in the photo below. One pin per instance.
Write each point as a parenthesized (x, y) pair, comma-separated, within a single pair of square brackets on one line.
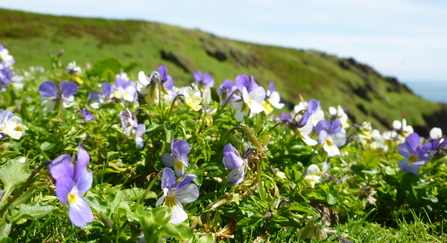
[(405, 39)]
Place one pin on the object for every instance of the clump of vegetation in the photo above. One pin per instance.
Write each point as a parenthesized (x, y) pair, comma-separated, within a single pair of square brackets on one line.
[(85, 159)]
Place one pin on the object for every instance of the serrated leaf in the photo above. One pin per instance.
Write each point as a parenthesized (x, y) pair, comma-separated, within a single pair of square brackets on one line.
[(12, 174)]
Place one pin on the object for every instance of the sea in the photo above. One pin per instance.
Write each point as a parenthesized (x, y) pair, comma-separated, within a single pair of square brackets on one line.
[(435, 91)]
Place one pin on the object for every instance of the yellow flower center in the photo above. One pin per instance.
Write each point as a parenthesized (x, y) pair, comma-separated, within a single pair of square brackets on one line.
[(413, 158), (170, 201), (72, 198)]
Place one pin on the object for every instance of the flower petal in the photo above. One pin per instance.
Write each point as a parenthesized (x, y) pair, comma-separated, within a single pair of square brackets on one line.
[(168, 159), (85, 181), (80, 213), (48, 89), (167, 178), (180, 147), (408, 167), (64, 185), (68, 88), (62, 167), (187, 193), (322, 125), (178, 214), (82, 160), (339, 139), (236, 176)]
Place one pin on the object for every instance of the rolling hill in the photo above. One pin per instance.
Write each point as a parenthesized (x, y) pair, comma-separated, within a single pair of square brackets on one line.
[(366, 95)]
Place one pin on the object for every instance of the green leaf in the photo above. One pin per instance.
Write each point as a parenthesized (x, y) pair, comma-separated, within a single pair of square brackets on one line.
[(304, 207), (332, 197), (161, 215), (5, 229), (12, 174), (46, 146), (206, 239), (177, 231), (31, 211)]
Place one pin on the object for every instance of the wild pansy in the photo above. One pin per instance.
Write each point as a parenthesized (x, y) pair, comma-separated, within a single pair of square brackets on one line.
[(203, 81), (272, 99), (166, 81), (87, 115), (75, 71), (252, 96), (301, 126), (132, 128), (402, 128), (17, 81), (171, 100), (225, 91), (302, 106), (97, 99), (315, 112), (414, 154), (11, 125), (331, 136), (71, 182), (6, 59), (175, 193), (72, 68), (6, 76), (314, 174), (235, 163), (125, 88), (339, 113), (148, 87), (191, 97), (51, 96), (437, 140), (179, 157), (209, 111)]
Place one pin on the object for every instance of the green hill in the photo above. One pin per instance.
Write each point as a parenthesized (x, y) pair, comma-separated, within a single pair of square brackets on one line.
[(367, 95)]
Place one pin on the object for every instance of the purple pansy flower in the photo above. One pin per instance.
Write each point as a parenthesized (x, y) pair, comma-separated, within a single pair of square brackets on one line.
[(5, 78), (10, 125), (97, 98), (49, 93), (233, 161), (252, 96), (175, 193), (125, 88), (272, 98), (71, 182), (301, 125), (132, 128), (315, 112), (225, 91), (6, 59), (167, 82), (87, 114), (331, 136), (138, 134), (203, 80), (414, 154), (179, 157)]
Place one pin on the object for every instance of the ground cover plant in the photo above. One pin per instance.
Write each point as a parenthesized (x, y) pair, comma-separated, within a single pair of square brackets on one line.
[(141, 45), (93, 155)]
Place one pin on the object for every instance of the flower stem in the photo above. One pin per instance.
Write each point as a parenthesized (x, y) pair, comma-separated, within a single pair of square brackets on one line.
[(260, 155), (148, 189)]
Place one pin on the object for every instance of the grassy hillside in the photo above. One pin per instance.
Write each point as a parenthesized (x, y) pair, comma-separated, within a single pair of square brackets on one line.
[(32, 38)]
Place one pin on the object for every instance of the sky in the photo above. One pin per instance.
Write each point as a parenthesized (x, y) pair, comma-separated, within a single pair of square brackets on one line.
[(403, 39)]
